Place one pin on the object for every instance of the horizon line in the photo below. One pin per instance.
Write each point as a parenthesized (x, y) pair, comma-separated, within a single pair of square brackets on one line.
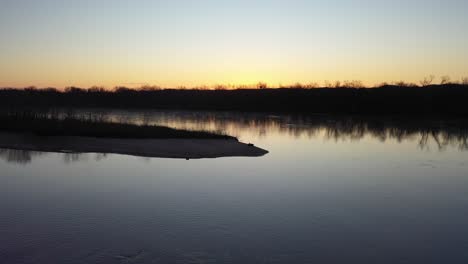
[(427, 81)]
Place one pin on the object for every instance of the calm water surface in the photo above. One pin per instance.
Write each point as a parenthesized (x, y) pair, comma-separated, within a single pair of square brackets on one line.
[(328, 192)]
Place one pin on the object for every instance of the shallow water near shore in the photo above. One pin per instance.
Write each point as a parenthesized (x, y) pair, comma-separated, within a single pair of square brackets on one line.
[(329, 191)]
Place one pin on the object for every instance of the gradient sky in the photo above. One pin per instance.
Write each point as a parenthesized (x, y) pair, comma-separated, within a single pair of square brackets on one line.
[(186, 42)]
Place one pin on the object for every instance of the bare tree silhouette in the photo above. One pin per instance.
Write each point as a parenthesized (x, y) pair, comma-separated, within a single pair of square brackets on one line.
[(464, 81), (427, 80), (444, 79)]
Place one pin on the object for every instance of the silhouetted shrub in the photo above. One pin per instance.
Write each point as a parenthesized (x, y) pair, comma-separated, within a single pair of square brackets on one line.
[(262, 85), (73, 89)]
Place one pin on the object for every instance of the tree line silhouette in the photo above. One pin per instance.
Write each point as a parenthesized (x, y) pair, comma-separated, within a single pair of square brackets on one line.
[(347, 98)]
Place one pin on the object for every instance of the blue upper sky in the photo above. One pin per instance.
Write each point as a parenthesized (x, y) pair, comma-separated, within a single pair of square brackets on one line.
[(186, 42)]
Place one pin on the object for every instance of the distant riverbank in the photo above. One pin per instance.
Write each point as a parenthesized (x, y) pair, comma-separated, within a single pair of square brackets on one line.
[(431, 100)]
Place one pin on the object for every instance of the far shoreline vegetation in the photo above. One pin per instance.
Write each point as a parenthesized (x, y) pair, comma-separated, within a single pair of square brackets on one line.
[(448, 98), (428, 81)]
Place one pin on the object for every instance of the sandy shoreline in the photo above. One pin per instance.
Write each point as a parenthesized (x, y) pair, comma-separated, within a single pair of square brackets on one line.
[(157, 148)]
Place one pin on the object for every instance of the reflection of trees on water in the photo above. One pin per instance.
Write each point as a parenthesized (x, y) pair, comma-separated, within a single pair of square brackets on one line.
[(426, 131), (100, 156), (77, 157), (74, 157), (19, 156), (23, 157)]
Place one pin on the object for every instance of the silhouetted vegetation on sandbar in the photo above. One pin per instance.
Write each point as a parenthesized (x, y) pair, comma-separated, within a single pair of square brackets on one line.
[(443, 99), (44, 124)]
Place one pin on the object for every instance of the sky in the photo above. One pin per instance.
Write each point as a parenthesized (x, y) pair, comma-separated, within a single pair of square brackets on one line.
[(59, 43)]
